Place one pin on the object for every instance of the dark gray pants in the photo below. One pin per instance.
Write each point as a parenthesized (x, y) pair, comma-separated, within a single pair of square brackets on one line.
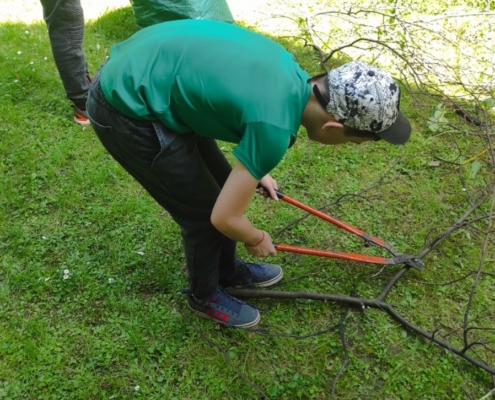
[(184, 173), (65, 22)]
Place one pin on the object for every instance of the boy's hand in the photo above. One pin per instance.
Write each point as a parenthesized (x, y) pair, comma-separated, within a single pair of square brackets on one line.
[(263, 248), (267, 187)]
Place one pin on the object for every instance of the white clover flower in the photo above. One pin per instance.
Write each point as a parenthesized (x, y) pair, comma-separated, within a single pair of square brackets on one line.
[(66, 272), (140, 253), (111, 280), (66, 276), (44, 237), (45, 58), (16, 80), (136, 388), (19, 52), (31, 63)]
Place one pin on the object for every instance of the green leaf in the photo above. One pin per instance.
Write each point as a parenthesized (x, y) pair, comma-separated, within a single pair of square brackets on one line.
[(475, 167), (433, 127), (272, 390), (488, 103)]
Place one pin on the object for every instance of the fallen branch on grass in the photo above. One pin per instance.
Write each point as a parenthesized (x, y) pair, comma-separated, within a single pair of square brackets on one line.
[(362, 303)]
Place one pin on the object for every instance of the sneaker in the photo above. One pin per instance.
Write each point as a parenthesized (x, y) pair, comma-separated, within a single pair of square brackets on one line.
[(265, 275), (224, 309), (81, 116), (258, 275)]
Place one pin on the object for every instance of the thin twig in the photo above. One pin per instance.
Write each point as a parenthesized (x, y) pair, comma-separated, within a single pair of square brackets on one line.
[(478, 275), (344, 348)]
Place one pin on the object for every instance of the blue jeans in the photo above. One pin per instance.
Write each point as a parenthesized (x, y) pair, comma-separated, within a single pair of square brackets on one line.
[(65, 22), (184, 173)]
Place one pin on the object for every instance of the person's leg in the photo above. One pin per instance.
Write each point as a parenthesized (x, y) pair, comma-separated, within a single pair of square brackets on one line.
[(231, 270), (228, 266), (65, 23), (170, 167)]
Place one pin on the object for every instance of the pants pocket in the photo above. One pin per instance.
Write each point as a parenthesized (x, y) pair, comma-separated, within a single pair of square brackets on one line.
[(107, 138)]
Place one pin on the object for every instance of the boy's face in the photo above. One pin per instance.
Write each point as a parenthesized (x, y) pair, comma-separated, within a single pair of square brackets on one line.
[(333, 133), (338, 137)]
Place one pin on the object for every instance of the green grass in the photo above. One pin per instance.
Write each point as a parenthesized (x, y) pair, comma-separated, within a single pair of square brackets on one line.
[(117, 327)]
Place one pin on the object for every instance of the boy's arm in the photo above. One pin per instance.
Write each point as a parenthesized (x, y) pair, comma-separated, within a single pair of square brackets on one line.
[(228, 213)]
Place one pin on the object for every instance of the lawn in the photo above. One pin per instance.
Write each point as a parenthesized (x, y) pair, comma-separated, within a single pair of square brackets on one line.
[(91, 269)]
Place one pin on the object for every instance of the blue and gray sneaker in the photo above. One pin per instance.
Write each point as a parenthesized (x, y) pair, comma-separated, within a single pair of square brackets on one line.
[(265, 275), (224, 309), (258, 275)]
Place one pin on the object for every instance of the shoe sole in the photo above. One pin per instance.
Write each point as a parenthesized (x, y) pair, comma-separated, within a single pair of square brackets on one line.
[(247, 325), (82, 123), (271, 282)]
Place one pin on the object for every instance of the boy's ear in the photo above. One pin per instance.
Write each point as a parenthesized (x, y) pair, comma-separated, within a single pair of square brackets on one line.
[(332, 124)]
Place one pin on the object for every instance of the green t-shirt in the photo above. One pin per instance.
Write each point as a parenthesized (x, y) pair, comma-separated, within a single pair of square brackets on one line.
[(213, 78)]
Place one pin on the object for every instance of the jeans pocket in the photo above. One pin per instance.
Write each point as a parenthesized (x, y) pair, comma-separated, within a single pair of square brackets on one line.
[(107, 139), (165, 135), (168, 140)]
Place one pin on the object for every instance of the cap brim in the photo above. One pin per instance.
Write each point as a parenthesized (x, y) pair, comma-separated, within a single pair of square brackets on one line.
[(398, 133)]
